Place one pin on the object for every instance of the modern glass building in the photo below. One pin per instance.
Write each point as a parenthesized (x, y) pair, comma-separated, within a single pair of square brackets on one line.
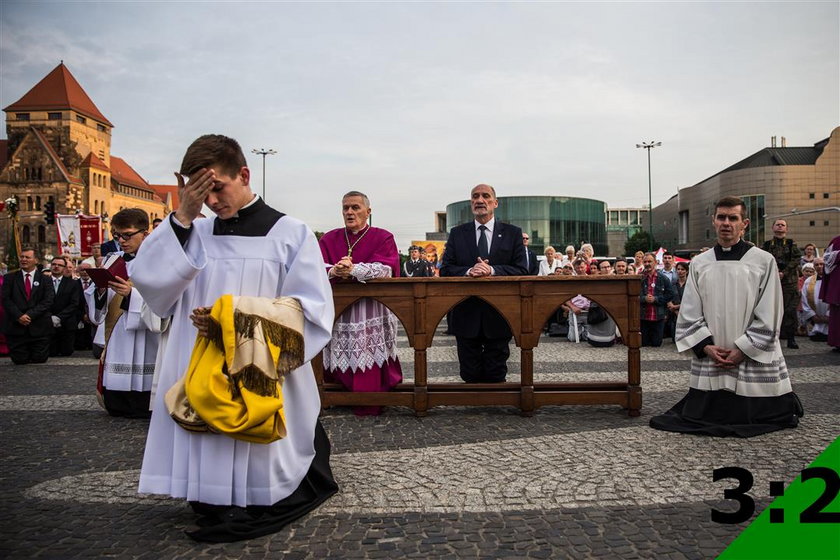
[(549, 220)]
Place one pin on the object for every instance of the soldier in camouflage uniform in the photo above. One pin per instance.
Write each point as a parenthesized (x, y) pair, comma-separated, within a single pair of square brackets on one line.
[(787, 256)]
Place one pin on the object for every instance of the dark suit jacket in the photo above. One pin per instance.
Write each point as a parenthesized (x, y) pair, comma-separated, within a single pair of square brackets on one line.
[(37, 306), (475, 317), (66, 303), (533, 263)]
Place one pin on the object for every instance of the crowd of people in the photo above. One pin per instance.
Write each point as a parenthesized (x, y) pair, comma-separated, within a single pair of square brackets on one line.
[(212, 331)]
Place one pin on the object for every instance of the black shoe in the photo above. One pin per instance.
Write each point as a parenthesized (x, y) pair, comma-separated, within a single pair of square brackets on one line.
[(792, 344)]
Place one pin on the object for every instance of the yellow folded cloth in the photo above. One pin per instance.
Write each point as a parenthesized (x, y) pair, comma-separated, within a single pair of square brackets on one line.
[(234, 382)]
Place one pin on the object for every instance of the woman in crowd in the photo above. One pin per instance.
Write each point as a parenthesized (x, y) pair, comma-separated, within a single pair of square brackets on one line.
[(569, 254), (637, 262), (674, 304), (809, 253), (551, 262)]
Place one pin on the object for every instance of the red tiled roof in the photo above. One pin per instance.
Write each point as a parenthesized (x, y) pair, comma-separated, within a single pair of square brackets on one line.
[(163, 190), (58, 90), (92, 161), (4, 155), (125, 175)]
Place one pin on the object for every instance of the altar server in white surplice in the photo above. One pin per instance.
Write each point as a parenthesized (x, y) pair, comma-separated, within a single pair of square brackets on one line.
[(242, 490), (730, 317), (815, 312), (130, 337)]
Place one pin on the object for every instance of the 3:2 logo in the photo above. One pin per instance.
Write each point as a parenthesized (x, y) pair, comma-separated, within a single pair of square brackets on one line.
[(814, 513)]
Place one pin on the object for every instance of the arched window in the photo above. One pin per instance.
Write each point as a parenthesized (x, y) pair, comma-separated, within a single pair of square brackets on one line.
[(42, 234), (25, 235), (37, 203), (30, 204), (96, 207)]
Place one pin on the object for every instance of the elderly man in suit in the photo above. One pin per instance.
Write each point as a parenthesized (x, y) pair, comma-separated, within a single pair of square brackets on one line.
[(65, 308), (482, 248), (531, 263), (27, 299)]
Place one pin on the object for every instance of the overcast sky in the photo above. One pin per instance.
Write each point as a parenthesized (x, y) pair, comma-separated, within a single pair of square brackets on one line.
[(415, 103)]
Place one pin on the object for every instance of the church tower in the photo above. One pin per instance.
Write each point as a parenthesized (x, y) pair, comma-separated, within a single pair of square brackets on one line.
[(58, 150)]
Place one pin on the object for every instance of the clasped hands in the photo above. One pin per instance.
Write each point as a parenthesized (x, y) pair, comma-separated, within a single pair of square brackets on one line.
[(342, 269), (480, 269), (726, 358)]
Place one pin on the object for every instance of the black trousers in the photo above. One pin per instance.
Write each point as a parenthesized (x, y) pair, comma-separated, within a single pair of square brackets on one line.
[(482, 359), (63, 343), (652, 332), (28, 350), (790, 300)]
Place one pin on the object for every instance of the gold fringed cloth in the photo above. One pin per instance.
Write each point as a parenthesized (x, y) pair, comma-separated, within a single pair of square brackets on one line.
[(234, 383)]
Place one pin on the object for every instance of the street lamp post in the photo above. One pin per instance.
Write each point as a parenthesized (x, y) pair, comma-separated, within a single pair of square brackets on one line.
[(647, 146), (263, 152)]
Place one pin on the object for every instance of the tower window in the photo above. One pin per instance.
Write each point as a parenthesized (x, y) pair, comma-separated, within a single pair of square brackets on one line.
[(81, 119), (101, 127), (54, 116), (22, 116)]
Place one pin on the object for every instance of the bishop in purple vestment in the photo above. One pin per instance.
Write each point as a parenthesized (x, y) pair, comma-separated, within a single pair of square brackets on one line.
[(362, 354), (830, 291)]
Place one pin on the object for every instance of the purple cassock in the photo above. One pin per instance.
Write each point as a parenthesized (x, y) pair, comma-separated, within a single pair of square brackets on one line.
[(362, 354), (830, 290)]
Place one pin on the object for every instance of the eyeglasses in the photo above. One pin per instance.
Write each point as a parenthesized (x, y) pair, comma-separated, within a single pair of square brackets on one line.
[(124, 236)]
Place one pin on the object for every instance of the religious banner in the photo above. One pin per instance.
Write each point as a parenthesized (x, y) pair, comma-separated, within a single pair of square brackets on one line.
[(432, 252), (76, 234)]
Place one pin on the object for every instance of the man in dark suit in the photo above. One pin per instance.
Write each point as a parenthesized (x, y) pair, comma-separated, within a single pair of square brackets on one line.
[(110, 246), (27, 299), (65, 307), (482, 248), (531, 262)]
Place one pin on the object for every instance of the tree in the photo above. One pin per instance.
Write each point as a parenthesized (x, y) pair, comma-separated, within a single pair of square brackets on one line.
[(640, 241)]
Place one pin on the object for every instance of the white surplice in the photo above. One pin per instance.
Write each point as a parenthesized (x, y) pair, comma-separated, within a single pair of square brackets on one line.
[(131, 350), (739, 304), (213, 468), (812, 304)]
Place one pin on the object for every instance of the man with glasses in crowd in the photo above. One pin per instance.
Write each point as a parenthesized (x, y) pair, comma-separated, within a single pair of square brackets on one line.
[(65, 309), (531, 261)]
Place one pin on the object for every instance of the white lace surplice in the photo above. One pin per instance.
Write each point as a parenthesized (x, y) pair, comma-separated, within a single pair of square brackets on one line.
[(365, 334)]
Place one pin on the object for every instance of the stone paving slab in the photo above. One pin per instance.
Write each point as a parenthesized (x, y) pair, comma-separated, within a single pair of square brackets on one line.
[(463, 482)]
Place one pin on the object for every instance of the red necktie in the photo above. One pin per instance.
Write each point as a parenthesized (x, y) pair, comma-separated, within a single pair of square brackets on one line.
[(27, 286)]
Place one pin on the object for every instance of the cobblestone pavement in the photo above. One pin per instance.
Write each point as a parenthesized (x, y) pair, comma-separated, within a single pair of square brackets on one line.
[(463, 482)]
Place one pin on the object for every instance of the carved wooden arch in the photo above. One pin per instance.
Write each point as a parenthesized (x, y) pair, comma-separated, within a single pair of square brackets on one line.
[(434, 319), (527, 300), (405, 317), (621, 322)]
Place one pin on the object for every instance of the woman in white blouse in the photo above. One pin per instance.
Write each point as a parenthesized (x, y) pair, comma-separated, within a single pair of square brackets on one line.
[(550, 263)]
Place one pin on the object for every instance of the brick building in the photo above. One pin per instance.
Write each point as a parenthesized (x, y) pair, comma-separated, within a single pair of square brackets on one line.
[(58, 149)]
